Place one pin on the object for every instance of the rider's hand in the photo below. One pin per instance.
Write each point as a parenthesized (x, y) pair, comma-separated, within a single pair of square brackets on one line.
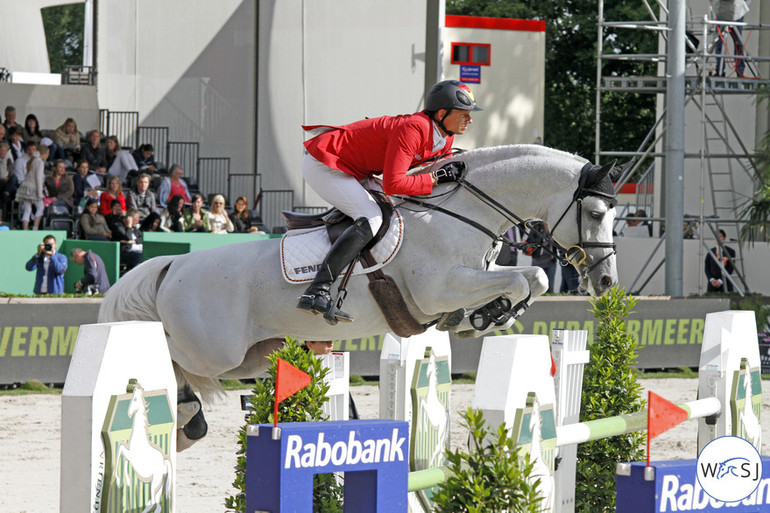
[(450, 172)]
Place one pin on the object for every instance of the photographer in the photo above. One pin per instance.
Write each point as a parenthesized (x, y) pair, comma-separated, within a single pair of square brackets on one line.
[(94, 280), (50, 267)]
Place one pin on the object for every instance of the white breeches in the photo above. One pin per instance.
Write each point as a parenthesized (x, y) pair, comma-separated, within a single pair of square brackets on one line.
[(26, 212), (341, 190)]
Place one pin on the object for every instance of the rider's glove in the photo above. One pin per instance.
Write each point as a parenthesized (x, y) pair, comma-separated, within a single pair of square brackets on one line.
[(450, 172)]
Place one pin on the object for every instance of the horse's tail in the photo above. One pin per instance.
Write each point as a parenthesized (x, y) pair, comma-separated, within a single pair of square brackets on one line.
[(132, 298), (169, 484)]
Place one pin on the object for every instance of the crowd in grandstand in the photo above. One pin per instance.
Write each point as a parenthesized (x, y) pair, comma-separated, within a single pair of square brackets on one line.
[(90, 186)]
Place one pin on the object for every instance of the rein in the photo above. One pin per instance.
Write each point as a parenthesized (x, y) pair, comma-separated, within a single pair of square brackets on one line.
[(575, 254)]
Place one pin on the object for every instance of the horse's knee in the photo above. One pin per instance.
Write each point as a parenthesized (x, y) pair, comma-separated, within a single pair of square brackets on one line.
[(539, 283)]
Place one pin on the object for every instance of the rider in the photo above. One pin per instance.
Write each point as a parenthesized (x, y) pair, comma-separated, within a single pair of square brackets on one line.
[(340, 157)]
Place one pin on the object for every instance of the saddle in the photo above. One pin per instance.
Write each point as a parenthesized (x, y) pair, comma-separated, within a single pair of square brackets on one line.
[(309, 238)]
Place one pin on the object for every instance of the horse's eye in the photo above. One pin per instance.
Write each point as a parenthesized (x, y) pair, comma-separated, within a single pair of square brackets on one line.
[(597, 215)]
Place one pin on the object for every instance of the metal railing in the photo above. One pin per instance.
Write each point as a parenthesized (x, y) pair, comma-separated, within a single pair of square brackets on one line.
[(122, 125), (271, 205), (244, 184), (184, 154), (212, 176)]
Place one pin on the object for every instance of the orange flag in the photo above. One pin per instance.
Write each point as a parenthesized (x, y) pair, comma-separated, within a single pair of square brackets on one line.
[(288, 381), (662, 415)]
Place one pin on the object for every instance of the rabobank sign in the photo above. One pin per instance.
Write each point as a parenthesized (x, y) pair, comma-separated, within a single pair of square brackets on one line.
[(320, 453), (673, 486), (373, 455)]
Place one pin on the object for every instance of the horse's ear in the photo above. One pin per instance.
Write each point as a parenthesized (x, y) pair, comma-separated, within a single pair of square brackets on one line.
[(603, 171), (620, 170)]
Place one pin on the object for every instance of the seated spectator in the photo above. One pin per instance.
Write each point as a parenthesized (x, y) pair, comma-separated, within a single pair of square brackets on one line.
[(638, 228), (68, 138), (173, 185), (30, 191), (10, 119), (6, 165), (20, 166), (15, 144), (241, 217), (219, 221), (171, 218), (143, 200), (130, 238), (94, 280), (119, 161), (3, 134), (195, 216), (50, 267), (144, 156), (84, 182), (59, 185), (93, 152), (114, 192), (92, 223), (31, 130), (116, 215)]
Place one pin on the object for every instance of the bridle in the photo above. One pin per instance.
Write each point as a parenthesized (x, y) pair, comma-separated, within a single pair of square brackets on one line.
[(575, 254)]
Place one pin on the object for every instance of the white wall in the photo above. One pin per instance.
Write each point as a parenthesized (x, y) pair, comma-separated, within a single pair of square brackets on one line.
[(53, 104), (332, 62), (186, 64), (512, 88)]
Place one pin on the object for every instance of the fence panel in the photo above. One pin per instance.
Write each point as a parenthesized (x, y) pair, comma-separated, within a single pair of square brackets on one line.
[(123, 125), (184, 154), (244, 184), (158, 137), (212, 176), (271, 205)]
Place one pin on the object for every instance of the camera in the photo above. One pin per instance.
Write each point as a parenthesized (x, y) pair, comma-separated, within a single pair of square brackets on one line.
[(48, 246)]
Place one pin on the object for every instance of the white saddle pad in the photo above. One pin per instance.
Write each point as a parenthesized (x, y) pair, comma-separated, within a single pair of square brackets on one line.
[(303, 251)]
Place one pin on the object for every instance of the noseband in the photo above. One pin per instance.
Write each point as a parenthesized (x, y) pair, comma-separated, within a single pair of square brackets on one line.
[(575, 254)]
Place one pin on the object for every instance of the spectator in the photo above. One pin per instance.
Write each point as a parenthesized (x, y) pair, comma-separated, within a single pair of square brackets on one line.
[(94, 153), (50, 267), (20, 166), (219, 221), (637, 228), (509, 255), (570, 280), (114, 192), (144, 156), (171, 218), (718, 282), (82, 183), (6, 165), (94, 280), (3, 133), (31, 131), (10, 119), (241, 217), (196, 218), (324, 347), (540, 256), (92, 223), (59, 185), (14, 141), (173, 185), (119, 161), (729, 10), (30, 192), (116, 215), (68, 137), (144, 201), (130, 238)]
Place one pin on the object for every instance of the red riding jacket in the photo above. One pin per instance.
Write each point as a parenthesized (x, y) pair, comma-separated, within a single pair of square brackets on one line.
[(387, 145)]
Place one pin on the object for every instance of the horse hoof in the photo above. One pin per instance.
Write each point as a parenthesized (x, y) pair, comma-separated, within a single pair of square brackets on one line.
[(182, 441), (196, 428), (466, 334), (186, 411), (451, 320)]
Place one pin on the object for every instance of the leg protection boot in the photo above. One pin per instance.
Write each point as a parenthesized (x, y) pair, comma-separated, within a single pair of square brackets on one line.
[(317, 298)]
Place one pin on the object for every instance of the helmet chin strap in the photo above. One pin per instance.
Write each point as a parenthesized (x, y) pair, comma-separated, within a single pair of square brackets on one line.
[(440, 123)]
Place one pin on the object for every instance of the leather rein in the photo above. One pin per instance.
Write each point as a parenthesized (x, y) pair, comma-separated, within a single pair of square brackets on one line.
[(575, 254)]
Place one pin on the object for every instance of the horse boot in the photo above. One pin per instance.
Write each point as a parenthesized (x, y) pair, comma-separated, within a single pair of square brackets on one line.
[(317, 298), (192, 424)]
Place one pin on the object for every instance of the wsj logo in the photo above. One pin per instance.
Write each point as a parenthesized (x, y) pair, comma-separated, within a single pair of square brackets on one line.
[(350, 452), (729, 469)]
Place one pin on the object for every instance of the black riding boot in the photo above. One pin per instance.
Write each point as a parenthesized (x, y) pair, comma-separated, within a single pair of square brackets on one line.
[(317, 298)]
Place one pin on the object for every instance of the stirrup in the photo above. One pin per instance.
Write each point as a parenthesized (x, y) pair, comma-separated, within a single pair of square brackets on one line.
[(321, 304)]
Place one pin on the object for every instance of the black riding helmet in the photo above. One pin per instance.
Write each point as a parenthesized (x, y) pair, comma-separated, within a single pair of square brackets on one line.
[(449, 94)]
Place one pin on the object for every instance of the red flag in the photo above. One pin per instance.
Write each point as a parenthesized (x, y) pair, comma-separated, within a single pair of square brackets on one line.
[(662, 415), (288, 381)]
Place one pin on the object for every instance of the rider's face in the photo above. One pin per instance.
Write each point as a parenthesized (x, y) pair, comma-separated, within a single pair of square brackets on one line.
[(458, 120)]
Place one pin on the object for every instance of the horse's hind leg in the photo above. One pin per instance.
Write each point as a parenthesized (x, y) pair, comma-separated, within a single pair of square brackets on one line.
[(191, 425)]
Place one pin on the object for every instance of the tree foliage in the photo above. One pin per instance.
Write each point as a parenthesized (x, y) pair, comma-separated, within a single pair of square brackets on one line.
[(64, 29), (570, 69), (757, 212), (304, 406), (609, 388), (490, 477)]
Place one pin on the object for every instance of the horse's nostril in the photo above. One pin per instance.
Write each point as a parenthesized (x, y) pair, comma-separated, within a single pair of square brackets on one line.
[(606, 281)]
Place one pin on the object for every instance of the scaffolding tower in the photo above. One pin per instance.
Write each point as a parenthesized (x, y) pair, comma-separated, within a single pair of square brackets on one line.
[(727, 177)]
